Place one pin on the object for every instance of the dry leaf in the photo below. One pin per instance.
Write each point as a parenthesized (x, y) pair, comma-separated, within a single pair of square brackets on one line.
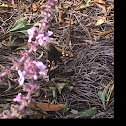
[(89, 41), (68, 24), (82, 6), (87, 1), (104, 33), (102, 7), (100, 21), (46, 106), (98, 1), (34, 7), (109, 8), (6, 5), (89, 24), (60, 16), (70, 3), (110, 17), (14, 2), (43, 6)]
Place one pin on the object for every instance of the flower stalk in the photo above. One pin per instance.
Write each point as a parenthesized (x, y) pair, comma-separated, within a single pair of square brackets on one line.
[(28, 69)]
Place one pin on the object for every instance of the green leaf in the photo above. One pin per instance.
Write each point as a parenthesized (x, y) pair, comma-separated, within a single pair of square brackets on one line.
[(13, 42), (30, 0), (88, 112), (53, 89), (87, 1), (71, 88), (22, 30), (22, 47), (18, 24), (100, 21), (3, 5), (40, 56), (102, 95), (106, 94), (36, 24), (83, 6), (60, 86), (73, 111), (20, 27), (3, 83), (110, 95)]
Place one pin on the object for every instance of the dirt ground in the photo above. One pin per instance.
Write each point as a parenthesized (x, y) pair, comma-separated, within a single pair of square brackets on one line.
[(89, 70)]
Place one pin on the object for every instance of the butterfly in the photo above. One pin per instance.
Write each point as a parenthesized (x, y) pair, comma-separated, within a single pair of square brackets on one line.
[(54, 55)]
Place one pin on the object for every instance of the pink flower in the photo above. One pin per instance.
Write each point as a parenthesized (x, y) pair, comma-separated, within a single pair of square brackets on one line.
[(42, 24), (50, 33), (34, 68), (30, 87), (18, 98), (43, 39), (40, 65), (40, 39), (51, 3), (21, 78), (33, 46), (32, 32), (46, 13), (42, 68)]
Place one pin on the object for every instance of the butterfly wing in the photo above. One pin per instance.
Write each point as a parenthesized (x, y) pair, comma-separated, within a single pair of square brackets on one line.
[(54, 54)]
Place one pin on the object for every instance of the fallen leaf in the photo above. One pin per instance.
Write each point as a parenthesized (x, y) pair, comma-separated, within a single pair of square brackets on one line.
[(3, 5), (68, 24), (60, 16), (43, 6), (14, 2), (89, 41), (46, 106), (70, 3), (110, 17), (82, 6), (87, 1), (102, 7), (109, 8), (98, 1), (100, 21), (34, 7), (104, 33), (6, 5)]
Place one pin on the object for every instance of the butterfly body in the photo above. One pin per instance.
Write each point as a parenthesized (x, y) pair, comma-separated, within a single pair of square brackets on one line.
[(54, 54)]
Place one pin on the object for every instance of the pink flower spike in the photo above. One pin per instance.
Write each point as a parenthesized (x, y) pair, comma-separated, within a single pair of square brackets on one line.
[(18, 98)]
